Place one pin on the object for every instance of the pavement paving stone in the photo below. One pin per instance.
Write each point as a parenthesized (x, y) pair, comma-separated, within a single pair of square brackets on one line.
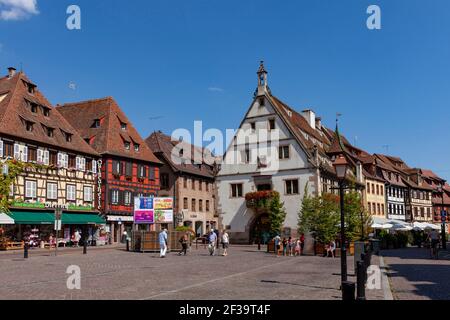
[(245, 273)]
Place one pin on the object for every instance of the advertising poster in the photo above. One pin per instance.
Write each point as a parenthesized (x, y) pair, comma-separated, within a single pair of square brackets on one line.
[(144, 217), (149, 210)]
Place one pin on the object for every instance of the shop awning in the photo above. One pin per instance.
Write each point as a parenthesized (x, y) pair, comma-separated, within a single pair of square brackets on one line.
[(29, 217), (5, 219), (82, 218)]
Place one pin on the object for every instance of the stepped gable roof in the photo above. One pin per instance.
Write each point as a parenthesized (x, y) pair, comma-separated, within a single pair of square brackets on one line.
[(108, 137), (163, 146), (18, 98)]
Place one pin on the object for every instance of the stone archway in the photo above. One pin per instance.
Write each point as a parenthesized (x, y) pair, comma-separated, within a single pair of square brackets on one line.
[(259, 228)]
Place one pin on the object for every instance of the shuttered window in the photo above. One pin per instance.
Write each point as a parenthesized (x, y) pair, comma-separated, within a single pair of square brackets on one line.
[(71, 191), (30, 189), (52, 191)]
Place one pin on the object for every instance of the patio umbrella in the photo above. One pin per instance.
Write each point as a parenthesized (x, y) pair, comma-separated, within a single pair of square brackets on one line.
[(376, 226), (387, 226), (432, 226)]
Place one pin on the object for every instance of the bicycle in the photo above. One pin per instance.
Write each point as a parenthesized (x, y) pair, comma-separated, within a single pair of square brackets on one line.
[(434, 250)]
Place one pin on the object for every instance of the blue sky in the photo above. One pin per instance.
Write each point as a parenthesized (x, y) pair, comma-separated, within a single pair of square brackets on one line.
[(196, 60)]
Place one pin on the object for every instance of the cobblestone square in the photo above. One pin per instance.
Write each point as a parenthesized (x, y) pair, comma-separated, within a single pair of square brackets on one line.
[(113, 273)]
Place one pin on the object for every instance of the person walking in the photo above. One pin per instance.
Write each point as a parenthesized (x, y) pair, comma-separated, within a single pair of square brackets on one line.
[(290, 247), (331, 249), (225, 242), (302, 243), (184, 244), (212, 242), (163, 243), (277, 244), (285, 243)]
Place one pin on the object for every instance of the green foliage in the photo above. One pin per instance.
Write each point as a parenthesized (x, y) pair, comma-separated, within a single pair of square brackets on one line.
[(320, 215), (357, 219), (15, 168), (277, 213)]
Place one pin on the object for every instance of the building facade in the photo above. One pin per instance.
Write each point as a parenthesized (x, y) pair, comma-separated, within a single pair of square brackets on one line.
[(129, 168), (48, 164), (396, 189), (190, 183), (274, 149)]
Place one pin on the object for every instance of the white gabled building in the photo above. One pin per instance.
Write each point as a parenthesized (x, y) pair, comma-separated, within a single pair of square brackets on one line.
[(278, 149)]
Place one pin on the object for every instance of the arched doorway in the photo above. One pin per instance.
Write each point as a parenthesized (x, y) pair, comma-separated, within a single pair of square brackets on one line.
[(260, 229)]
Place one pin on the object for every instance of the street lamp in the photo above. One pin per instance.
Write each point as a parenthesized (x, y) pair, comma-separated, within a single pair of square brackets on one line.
[(340, 164), (443, 218)]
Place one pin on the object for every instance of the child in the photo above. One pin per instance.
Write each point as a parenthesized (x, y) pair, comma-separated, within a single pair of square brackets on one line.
[(285, 244), (297, 248)]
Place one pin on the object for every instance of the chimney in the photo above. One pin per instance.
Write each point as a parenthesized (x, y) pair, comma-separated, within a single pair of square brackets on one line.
[(319, 123), (310, 116), (359, 172), (11, 72)]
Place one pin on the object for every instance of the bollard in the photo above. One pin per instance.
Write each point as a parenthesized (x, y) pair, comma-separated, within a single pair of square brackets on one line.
[(25, 251), (85, 247), (259, 244), (348, 291), (361, 281), (128, 245)]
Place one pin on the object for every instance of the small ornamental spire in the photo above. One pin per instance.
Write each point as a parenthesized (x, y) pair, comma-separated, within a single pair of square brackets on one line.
[(262, 80), (337, 132)]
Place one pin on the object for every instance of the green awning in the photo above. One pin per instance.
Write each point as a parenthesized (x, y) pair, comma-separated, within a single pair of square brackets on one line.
[(29, 217), (82, 218), (35, 218)]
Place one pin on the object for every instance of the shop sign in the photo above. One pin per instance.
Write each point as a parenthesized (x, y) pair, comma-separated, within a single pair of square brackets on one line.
[(49, 205), (29, 205), (99, 184)]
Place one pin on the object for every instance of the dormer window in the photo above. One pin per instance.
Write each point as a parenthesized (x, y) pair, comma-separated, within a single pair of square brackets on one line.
[(48, 131), (96, 123), (69, 137), (30, 88), (34, 107), (46, 111), (136, 147), (181, 153), (127, 145), (29, 126), (123, 126)]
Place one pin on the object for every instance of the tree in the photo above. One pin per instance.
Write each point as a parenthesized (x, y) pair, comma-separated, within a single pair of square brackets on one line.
[(320, 216), (357, 219), (277, 213)]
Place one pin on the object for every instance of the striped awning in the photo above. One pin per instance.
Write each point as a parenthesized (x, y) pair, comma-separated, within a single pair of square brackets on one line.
[(5, 219)]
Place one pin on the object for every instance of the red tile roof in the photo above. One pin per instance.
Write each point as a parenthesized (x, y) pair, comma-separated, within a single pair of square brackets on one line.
[(163, 146), (109, 137), (15, 109)]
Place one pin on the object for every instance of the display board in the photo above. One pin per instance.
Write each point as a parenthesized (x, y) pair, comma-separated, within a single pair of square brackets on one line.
[(149, 210)]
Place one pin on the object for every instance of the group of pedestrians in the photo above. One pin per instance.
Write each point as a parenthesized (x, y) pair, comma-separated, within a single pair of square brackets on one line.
[(289, 246), (213, 242)]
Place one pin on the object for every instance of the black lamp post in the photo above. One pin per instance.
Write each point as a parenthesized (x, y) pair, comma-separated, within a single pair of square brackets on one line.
[(443, 219), (340, 164)]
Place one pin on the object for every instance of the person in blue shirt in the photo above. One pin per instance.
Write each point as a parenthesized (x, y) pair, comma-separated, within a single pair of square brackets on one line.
[(163, 243), (212, 242)]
